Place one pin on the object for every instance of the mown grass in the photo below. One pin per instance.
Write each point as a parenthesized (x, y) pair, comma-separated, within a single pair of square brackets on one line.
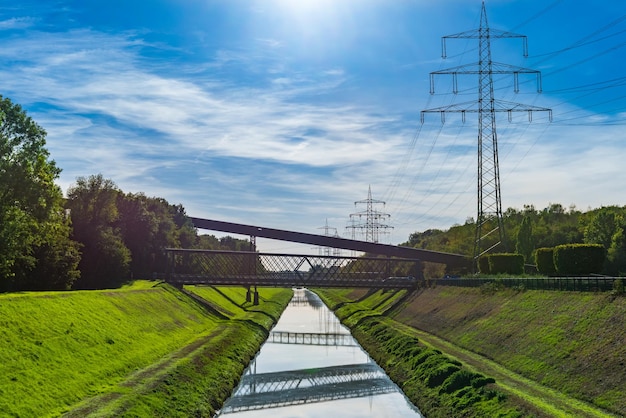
[(61, 348), (569, 341)]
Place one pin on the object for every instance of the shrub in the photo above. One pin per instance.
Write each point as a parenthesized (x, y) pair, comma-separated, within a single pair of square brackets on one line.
[(579, 259), (506, 263), (618, 287), (437, 376), (544, 258), (458, 380)]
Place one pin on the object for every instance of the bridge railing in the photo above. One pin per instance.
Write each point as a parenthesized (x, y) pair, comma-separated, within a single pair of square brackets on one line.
[(188, 266)]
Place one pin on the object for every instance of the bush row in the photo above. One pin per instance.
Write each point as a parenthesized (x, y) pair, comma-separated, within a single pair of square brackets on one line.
[(571, 259), (439, 385), (566, 260)]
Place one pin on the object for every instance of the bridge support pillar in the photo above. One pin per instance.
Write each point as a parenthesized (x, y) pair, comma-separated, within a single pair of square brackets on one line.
[(256, 296), (248, 295)]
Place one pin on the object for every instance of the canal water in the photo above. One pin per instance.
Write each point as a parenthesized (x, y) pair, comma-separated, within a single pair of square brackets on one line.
[(310, 366)]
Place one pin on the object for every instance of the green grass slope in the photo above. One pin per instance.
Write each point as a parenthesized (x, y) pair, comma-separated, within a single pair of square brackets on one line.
[(569, 341), (89, 348)]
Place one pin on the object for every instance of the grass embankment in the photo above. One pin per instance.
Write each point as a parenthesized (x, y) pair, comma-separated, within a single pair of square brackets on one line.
[(572, 342), (564, 340), (438, 384), (138, 351)]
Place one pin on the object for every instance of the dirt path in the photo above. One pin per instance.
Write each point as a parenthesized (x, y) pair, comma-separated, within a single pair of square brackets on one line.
[(554, 403)]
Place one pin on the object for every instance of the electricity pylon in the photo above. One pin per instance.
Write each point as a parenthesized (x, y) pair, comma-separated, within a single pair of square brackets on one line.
[(329, 231), (373, 217), (489, 227)]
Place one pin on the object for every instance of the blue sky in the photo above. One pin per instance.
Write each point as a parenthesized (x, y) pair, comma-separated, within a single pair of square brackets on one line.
[(282, 113)]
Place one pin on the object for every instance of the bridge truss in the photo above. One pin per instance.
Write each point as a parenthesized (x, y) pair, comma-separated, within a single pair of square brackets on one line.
[(238, 268)]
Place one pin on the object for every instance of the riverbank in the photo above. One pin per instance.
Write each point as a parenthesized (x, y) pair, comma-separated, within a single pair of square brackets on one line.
[(551, 353), (145, 350)]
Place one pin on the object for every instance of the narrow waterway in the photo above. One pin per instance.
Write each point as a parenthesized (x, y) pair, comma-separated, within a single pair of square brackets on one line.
[(310, 366)]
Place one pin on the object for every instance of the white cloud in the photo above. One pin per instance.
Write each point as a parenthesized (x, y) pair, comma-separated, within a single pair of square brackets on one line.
[(274, 153), (17, 23)]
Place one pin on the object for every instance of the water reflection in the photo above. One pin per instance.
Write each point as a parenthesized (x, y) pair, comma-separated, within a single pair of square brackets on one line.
[(311, 366)]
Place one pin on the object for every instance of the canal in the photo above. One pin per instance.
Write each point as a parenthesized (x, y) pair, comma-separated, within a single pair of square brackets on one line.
[(310, 366)]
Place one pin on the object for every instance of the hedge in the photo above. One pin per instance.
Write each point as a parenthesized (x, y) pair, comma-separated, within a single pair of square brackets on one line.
[(506, 263), (544, 259), (579, 259)]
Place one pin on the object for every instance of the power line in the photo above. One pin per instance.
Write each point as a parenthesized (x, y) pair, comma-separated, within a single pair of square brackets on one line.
[(489, 222)]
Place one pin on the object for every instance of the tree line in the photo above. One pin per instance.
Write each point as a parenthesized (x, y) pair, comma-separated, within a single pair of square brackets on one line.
[(96, 237), (530, 229)]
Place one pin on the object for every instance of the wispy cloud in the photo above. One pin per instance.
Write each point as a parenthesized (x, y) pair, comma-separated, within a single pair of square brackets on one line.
[(275, 145)]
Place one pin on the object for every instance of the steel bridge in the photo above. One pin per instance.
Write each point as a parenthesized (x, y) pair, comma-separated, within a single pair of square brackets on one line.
[(239, 268), (273, 390), (385, 266)]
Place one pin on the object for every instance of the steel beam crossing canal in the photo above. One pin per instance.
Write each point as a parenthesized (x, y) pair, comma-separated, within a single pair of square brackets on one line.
[(246, 268), (451, 260)]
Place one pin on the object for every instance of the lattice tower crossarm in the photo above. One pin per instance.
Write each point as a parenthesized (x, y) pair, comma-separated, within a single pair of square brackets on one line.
[(489, 224), (373, 225)]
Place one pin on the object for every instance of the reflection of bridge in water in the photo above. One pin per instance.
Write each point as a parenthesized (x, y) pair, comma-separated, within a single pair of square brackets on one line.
[(311, 338), (306, 299), (273, 390)]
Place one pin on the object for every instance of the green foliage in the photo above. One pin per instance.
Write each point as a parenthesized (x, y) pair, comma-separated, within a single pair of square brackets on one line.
[(461, 379), (506, 263), (579, 259), (525, 243), (618, 287), (544, 259), (36, 251), (551, 226), (123, 235), (600, 225)]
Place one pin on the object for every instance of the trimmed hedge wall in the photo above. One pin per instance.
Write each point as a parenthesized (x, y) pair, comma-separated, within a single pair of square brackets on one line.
[(501, 263), (579, 259), (544, 259), (506, 263)]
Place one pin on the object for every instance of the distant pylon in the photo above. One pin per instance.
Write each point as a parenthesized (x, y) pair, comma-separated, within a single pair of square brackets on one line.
[(372, 227), (489, 226), (329, 231)]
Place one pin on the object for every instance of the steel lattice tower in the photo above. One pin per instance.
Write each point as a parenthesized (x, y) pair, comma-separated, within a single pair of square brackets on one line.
[(489, 227), (329, 231), (373, 218)]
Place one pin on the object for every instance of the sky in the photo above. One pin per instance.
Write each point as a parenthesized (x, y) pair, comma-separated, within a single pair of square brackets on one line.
[(284, 113)]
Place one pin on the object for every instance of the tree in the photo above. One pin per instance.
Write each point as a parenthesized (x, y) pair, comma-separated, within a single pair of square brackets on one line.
[(525, 244), (93, 206), (601, 224), (36, 251)]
